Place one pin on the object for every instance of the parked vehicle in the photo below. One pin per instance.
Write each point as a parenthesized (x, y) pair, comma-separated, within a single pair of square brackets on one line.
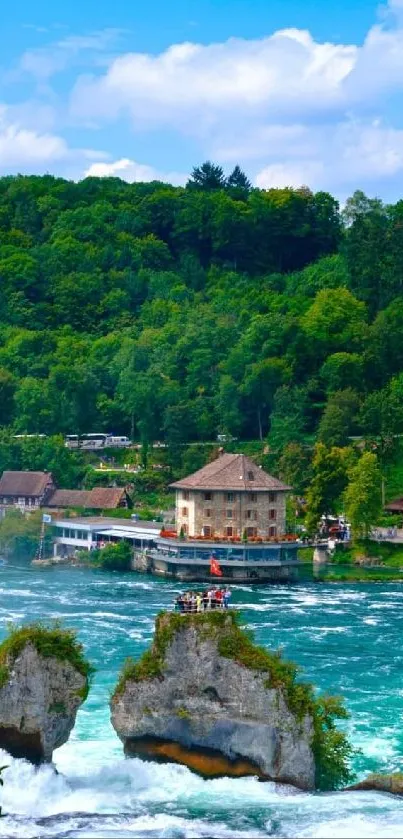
[(94, 442)]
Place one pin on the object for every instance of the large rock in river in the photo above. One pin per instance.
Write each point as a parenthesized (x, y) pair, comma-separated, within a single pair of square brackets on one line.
[(43, 681), (206, 697)]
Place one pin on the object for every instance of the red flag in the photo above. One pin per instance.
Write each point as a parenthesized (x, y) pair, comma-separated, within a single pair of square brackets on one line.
[(215, 567)]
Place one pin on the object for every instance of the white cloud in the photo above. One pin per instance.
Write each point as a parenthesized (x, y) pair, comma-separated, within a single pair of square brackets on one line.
[(44, 62), (343, 156), (133, 172), (290, 109), (22, 147), (195, 87), (26, 149), (289, 174), (299, 110)]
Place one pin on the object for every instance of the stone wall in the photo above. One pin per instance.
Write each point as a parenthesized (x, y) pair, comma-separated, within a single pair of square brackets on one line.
[(249, 510)]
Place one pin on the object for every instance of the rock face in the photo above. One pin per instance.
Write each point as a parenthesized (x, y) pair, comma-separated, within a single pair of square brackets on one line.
[(381, 783), (209, 712), (38, 704)]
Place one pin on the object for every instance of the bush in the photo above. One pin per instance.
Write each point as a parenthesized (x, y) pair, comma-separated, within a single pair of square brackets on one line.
[(113, 557), (50, 642)]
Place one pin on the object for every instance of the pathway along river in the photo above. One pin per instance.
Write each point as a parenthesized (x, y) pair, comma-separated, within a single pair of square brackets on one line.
[(348, 638)]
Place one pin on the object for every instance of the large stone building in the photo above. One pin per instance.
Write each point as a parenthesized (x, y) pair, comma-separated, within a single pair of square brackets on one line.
[(229, 497)]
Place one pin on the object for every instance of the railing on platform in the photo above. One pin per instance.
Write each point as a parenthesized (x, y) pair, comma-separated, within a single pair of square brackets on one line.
[(187, 607)]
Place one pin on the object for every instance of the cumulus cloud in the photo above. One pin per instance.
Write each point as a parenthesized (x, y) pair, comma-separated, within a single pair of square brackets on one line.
[(26, 149), (300, 111), (195, 86), (289, 174), (133, 172), (291, 109), (20, 146), (347, 155)]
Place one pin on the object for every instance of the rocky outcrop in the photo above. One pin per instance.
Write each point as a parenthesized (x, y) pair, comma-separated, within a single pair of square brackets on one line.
[(381, 783), (39, 698), (206, 697)]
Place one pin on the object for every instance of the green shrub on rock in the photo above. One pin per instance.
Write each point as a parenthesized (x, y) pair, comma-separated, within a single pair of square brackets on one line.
[(50, 642)]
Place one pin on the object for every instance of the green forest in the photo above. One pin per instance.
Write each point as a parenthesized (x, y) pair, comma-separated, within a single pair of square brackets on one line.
[(180, 313)]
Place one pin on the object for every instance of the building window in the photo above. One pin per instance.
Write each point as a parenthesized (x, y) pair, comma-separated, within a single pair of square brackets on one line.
[(229, 531), (207, 513), (207, 496), (251, 514), (251, 476), (185, 495), (230, 497), (184, 511), (272, 531), (272, 515), (184, 529), (206, 530), (251, 531), (253, 497), (272, 497), (229, 514)]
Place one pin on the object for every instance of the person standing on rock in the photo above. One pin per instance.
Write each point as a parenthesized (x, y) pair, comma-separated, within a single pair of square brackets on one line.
[(226, 597)]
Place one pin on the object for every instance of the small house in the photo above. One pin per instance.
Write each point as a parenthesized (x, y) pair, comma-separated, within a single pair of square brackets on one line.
[(25, 490), (99, 498)]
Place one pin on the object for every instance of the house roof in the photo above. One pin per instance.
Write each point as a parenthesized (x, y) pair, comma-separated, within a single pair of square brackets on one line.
[(99, 498), (68, 498), (395, 506), (105, 498), (24, 483), (231, 472)]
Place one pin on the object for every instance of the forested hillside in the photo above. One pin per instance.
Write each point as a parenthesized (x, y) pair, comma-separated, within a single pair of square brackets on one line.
[(180, 313)]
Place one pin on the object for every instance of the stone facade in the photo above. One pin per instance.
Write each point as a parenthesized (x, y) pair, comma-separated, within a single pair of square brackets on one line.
[(228, 513)]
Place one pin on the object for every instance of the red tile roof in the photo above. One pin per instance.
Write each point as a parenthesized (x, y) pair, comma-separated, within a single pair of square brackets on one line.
[(232, 472), (24, 483), (105, 498), (68, 498), (99, 498)]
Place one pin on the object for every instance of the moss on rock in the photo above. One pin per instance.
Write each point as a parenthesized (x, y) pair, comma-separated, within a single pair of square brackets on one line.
[(50, 642)]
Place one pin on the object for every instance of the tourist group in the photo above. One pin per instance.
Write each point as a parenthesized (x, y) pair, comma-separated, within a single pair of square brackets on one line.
[(201, 601)]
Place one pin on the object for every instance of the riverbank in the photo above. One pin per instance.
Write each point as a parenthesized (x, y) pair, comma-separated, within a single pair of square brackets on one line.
[(366, 561)]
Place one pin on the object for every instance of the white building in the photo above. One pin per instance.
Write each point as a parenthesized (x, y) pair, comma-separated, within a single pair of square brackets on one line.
[(85, 534)]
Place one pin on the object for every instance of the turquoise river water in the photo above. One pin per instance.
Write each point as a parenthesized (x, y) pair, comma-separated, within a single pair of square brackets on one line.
[(348, 639)]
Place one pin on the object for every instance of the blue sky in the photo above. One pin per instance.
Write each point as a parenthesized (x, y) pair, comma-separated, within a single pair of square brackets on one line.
[(295, 92)]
